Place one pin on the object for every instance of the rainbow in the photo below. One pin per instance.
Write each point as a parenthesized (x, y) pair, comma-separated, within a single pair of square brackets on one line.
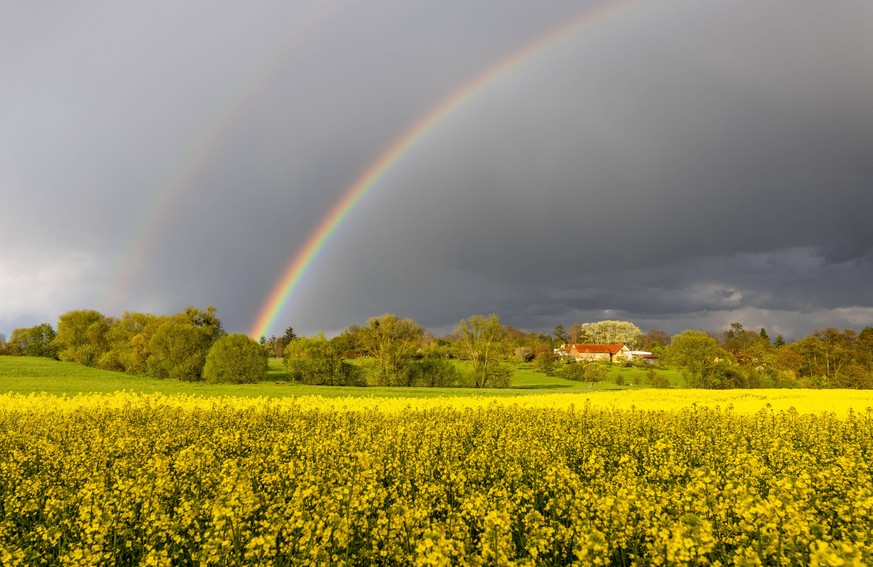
[(203, 143), (302, 260)]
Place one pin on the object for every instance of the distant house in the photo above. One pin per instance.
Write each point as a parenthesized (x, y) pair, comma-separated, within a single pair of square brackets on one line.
[(644, 356), (591, 352)]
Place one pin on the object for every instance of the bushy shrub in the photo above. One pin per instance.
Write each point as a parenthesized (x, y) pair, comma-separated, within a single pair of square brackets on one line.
[(657, 380), (317, 361), (236, 359), (546, 362), (435, 372), (178, 350)]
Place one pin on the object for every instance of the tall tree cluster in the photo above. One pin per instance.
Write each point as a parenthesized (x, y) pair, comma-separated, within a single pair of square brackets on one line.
[(742, 358), (164, 346)]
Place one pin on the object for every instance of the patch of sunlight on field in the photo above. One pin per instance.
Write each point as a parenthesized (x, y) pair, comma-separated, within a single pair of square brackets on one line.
[(837, 402)]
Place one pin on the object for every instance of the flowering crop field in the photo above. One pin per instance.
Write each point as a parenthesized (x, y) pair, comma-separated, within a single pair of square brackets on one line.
[(624, 478)]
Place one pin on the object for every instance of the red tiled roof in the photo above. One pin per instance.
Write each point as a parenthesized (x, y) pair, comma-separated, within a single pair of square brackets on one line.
[(594, 348)]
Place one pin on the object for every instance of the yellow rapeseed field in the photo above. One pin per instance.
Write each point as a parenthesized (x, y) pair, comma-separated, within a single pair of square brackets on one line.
[(608, 478)]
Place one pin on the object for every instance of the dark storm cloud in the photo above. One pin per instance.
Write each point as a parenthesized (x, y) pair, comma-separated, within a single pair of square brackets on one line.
[(676, 164)]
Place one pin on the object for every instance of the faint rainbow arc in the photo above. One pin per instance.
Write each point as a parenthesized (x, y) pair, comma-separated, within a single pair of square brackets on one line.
[(203, 144), (291, 277)]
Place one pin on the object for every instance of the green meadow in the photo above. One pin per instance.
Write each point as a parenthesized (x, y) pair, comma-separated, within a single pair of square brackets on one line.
[(28, 375)]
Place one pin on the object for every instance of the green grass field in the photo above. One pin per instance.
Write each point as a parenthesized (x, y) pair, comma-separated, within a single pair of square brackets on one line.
[(26, 375)]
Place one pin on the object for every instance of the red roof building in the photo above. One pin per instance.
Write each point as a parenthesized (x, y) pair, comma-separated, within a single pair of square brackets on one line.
[(605, 352)]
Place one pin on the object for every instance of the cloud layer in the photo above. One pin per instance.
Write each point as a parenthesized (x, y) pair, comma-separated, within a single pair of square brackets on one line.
[(678, 165)]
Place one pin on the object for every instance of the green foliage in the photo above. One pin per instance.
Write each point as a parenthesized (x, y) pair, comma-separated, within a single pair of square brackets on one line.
[(546, 362), (435, 371), (705, 363), (657, 380), (595, 372), (837, 359), (589, 372), (206, 320), (749, 349), (179, 345), (178, 349), (275, 346), (317, 361), (392, 342), (573, 371), (81, 336), (481, 340), (524, 354), (559, 335), (33, 341), (235, 359), (351, 341), (128, 339), (499, 375)]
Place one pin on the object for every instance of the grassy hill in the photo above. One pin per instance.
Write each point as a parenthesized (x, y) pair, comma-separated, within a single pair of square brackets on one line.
[(26, 375)]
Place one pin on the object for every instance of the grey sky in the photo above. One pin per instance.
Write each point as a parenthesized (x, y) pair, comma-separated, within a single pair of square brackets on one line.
[(678, 164)]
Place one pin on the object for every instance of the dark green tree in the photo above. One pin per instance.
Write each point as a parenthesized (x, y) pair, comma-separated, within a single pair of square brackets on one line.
[(435, 371), (275, 346), (560, 335), (33, 341)]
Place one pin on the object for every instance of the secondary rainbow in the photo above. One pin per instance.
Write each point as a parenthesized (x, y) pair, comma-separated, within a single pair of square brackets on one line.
[(302, 260), (203, 144)]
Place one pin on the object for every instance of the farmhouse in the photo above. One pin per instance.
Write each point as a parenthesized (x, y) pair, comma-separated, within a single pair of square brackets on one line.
[(589, 352)]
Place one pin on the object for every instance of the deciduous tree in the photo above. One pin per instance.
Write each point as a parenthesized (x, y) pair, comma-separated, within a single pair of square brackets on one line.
[(315, 360), (179, 346), (128, 338), (435, 371), (392, 342), (704, 362), (236, 359), (33, 341), (81, 336), (481, 341), (610, 332)]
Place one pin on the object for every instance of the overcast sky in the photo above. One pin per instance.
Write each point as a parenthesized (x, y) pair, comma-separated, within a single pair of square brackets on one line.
[(679, 164)]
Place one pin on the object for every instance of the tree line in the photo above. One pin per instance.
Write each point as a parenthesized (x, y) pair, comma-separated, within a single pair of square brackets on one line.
[(190, 345), (393, 351)]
